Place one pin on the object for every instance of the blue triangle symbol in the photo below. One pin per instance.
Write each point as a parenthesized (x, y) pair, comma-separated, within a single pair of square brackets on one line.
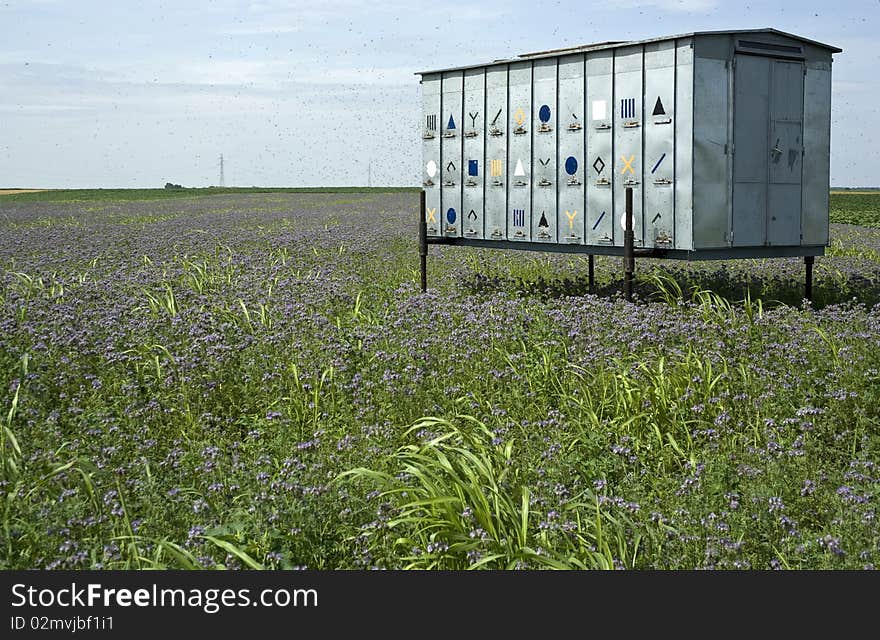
[(451, 124)]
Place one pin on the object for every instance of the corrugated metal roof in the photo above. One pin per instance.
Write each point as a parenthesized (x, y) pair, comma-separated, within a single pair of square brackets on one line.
[(614, 44)]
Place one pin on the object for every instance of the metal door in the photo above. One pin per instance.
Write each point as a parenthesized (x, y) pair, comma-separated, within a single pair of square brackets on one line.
[(786, 153), (768, 148)]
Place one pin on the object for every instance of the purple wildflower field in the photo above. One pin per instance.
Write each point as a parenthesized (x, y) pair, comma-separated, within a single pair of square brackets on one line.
[(255, 381)]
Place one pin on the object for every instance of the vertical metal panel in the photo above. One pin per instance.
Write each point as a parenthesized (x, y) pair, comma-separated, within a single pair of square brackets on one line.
[(659, 132), (711, 186), (572, 167), (786, 153), (599, 216), (431, 131), (628, 121), (544, 126), (473, 165), (519, 151), (750, 126), (817, 147), (495, 171), (684, 144), (450, 153)]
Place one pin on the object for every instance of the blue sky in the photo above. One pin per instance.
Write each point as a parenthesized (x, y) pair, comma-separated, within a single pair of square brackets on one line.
[(137, 94)]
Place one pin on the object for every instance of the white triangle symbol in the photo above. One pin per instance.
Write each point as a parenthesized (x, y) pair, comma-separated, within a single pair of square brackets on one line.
[(519, 171)]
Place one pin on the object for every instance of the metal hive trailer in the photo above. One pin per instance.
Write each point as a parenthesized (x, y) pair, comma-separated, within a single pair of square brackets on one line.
[(722, 137)]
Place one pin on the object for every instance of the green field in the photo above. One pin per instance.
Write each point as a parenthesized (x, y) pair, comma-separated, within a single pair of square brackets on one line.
[(862, 207), (254, 380), (123, 195)]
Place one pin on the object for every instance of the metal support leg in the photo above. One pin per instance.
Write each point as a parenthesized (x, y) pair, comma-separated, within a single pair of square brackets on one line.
[(808, 282), (592, 274), (629, 259), (423, 242)]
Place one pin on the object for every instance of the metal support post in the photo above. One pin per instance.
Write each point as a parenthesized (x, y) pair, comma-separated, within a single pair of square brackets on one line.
[(629, 259), (808, 282), (592, 274), (423, 242)]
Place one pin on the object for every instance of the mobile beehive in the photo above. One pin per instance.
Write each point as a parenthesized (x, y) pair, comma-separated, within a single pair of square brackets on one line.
[(723, 138)]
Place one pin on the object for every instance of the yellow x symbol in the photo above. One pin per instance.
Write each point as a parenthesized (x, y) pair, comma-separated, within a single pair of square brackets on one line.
[(627, 165), (431, 213), (571, 217)]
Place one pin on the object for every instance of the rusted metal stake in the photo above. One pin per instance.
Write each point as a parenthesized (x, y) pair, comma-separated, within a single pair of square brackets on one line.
[(629, 259), (808, 282), (423, 242), (591, 272)]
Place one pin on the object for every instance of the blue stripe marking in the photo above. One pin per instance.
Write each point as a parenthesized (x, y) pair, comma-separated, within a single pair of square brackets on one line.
[(598, 221), (658, 163)]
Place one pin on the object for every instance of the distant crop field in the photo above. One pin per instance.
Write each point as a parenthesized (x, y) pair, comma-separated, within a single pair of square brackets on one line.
[(11, 192), (253, 380), (861, 207), (129, 195)]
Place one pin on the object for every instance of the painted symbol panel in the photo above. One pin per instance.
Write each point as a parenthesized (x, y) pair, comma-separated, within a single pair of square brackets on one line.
[(473, 148), (496, 135), (598, 156), (451, 151), (626, 162), (659, 140), (519, 151), (430, 175), (545, 128), (572, 123)]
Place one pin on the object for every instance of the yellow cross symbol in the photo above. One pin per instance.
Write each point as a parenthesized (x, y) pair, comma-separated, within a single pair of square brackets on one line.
[(431, 213), (519, 115), (571, 216), (627, 165)]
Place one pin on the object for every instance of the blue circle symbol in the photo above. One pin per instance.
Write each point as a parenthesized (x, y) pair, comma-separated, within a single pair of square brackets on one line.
[(544, 113), (450, 215), (571, 165)]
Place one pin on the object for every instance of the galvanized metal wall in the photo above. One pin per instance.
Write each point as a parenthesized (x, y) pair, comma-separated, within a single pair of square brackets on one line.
[(711, 185), (817, 152), (724, 144)]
